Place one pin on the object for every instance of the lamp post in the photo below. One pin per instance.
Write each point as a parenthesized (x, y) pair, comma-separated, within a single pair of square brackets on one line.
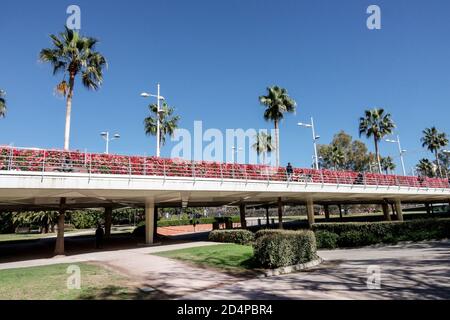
[(234, 152), (447, 153), (315, 138), (401, 151), (105, 136), (158, 120)]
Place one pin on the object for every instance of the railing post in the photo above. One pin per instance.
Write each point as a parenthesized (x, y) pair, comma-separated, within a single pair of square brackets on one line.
[(90, 165), (145, 166), (364, 178), (321, 177), (129, 167), (11, 154), (221, 171), (193, 170), (164, 169)]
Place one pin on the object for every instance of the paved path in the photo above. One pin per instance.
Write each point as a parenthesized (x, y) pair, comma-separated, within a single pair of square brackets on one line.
[(408, 271)]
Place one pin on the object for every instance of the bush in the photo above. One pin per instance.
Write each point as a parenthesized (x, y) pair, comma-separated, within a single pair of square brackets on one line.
[(268, 232), (238, 236), (326, 240), (284, 248), (185, 222), (362, 234)]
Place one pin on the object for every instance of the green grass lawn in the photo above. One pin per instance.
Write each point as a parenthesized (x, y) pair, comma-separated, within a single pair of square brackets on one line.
[(50, 283), (232, 257)]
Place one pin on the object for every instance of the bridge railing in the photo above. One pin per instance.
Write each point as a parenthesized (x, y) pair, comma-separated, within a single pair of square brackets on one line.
[(36, 160)]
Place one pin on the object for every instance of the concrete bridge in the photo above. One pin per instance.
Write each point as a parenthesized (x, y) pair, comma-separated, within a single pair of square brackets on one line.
[(34, 179)]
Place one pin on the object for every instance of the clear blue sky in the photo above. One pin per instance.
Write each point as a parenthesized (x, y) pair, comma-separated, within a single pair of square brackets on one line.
[(214, 58)]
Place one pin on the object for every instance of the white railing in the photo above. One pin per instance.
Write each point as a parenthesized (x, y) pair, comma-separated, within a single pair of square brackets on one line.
[(43, 161)]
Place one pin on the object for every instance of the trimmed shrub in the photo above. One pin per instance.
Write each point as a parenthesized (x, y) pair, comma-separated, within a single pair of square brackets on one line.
[(238, 236), (267, 232), (326, 240), (363, 234), (284, 248)]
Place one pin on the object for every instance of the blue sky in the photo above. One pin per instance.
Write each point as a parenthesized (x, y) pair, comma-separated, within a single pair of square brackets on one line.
[(214, 58)]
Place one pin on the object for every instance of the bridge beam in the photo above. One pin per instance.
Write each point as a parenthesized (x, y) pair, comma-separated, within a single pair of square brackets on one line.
[(149, 221), (310, 212), (108, 221), (59, 247), (398, 208)]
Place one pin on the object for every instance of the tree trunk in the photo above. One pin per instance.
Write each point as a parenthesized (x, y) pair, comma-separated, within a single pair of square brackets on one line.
[(377, 153), (438, 163), (277, 143), (68, 111), (280, 214), (108, 221)]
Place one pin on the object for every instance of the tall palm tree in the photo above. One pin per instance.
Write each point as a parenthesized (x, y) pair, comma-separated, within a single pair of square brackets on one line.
[(336, 156), (168, 122), (387, 164), (277, 103), (263, 145), (2, 104), (434, 140), (73, 55), (377, 124), (426, 168)]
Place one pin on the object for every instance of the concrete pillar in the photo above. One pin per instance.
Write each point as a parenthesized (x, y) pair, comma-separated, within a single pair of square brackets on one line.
[(280, 213), (108, 221), (398, 208), (386, 213), (267, 215), (149, 221), (155, 223), (326, 208), (59, 247), (340, 211), (427, 208), (242, 216), (310, 212)]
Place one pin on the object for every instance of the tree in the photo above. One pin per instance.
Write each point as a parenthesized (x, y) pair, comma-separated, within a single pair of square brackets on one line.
[(168, 122), (45, 219), (355, 153), (73, 55), (336, 157), (277, 103), (263, 145), (426, 168), (434, 140), (376, 124), (2, 103), (387, 164)]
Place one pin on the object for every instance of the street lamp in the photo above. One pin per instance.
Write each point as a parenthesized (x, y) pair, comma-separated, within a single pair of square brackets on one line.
[(315, 138), (105, 136), (401, 151), (234, 152), (158, 133)]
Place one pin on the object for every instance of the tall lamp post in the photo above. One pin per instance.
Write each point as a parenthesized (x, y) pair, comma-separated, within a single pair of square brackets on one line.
[(315, 138), (401, 151), (105, 136), (158, 120)]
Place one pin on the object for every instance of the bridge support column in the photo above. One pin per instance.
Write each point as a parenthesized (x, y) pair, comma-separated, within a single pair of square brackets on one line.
[(155, 223), (326, 208), (267, 216), (398, 208), (149, 221), (340, 211), (310, 212), (59, 247), (242, 216), (108, 221), (387, 215), (427, 208), (280, 213)]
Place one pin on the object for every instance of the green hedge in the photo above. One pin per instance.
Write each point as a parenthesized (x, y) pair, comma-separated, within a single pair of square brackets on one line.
[(184, 222), (278, 248), (363, 234), (238, 236)]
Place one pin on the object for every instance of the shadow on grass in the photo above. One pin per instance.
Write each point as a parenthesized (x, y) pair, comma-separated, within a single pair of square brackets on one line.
[(122, 293)]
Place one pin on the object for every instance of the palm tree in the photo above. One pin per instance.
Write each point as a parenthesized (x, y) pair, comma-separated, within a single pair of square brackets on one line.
[(336, 156), (377, 124), (73, 54), (387, 164), (434, 140), (2, 104), (426, 168), (263, 145), (277, 103), (168, 122)]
